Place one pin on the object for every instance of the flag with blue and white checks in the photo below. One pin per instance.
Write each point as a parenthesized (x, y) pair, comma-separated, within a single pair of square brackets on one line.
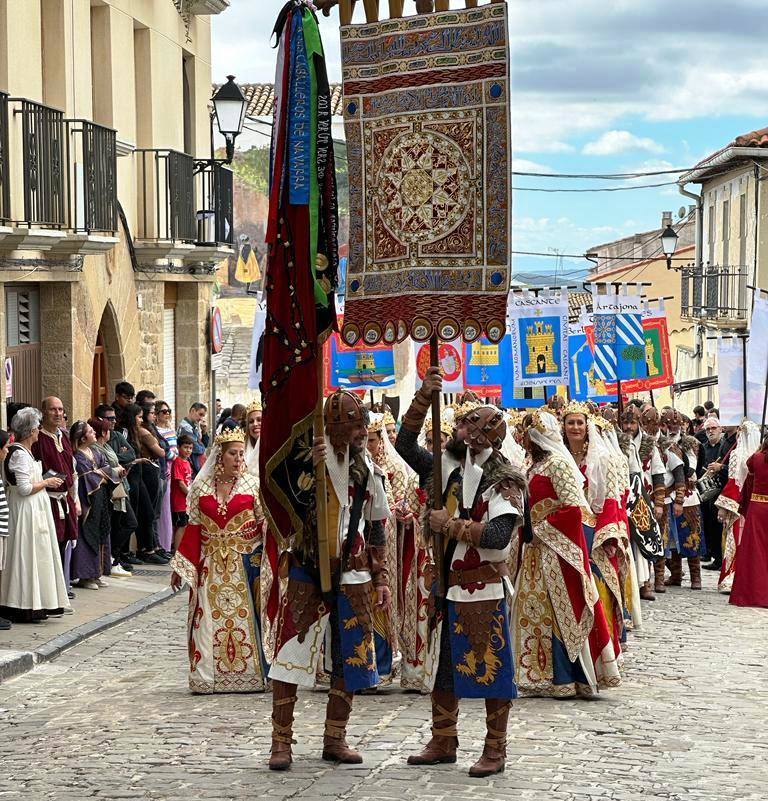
[(630, 342), (605, 346)]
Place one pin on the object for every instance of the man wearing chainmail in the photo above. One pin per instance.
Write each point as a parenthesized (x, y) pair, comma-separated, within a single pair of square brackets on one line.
[(483, 504), (340, 625)]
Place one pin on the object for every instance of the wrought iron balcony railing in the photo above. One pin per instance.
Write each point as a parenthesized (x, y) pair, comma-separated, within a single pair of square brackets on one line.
[(714, 293), (5, 178), (93, 176), (166, 197), (215, 204), (68, 169)]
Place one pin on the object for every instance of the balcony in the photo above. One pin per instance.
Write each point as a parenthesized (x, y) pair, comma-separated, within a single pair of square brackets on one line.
[(184, 208), (67, 171), (715, 295)]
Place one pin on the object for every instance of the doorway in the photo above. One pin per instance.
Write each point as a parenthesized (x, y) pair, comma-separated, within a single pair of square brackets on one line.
[(100, 374)]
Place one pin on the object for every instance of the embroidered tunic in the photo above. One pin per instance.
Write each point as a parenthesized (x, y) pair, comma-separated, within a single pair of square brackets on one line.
[(346, 627), (562, 643), (218, 557)]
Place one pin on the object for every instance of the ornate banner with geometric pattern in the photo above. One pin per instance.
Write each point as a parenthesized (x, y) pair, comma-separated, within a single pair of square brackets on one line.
[(426, 112)]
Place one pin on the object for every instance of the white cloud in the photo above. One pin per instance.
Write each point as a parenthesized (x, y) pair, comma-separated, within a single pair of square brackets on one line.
[(524, 165), (611, 143)]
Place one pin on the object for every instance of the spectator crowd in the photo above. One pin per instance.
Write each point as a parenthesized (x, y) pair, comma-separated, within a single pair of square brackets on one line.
[(85, 502)]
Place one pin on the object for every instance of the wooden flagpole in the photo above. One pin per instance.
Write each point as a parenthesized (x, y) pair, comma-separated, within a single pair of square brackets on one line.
[(323, 551), (437, 467)]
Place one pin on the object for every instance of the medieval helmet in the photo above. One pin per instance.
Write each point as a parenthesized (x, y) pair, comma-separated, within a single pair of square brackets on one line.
[(671, 418), (649, 419), (631, 414), (343, 411), (486, 427)]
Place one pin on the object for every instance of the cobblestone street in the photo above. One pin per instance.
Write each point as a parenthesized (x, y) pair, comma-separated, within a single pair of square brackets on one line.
[(113, 719)]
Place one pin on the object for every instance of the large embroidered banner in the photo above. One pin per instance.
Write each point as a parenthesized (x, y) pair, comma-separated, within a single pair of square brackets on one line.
[(426, 110)]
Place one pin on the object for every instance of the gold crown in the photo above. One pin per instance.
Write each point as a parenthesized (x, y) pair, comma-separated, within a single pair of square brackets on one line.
[(230, 435), (576, 407), (253, 406), (445, 427), (536, 421), (376, 425), (464, 409), (389, 420)]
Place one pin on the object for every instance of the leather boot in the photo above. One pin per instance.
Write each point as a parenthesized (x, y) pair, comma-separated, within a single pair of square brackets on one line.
[(676, 568), (646, 592), (494, 755), (658, 576), (283, 702), (694, 565), (442, 746), (335, 748)]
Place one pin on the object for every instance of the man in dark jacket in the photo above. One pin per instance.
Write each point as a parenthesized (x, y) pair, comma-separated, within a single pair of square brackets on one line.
[(713, 458)]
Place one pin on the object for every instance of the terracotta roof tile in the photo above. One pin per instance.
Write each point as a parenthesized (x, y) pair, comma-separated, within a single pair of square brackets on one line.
[(261, 99), (758, 138)]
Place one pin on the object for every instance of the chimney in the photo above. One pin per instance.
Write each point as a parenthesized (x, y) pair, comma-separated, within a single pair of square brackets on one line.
[(666, 219)]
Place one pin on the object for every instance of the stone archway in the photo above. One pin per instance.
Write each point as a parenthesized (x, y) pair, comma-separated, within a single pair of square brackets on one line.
[(108, 361)]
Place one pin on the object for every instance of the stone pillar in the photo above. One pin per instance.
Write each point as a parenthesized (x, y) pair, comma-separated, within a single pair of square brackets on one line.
[(150, 320), (193, 363), (57, 359)]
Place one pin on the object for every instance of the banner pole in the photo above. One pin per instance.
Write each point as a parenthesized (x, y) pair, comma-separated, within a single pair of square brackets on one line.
[(744, 371), (437, 469), (323, 552)]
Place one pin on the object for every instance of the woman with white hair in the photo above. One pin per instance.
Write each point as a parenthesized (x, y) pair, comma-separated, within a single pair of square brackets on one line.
[(32, 586)]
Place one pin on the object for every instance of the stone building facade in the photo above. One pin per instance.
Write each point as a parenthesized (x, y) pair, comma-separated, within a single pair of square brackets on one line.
[(112, 218)]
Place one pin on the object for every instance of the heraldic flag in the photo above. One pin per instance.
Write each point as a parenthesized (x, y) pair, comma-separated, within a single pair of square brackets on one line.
[(301, 275)]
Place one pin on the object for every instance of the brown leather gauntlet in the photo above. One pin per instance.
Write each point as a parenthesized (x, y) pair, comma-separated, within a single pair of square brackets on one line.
[(680, 493), (464, 531), (659, 493), (414, 418), (377, 559)]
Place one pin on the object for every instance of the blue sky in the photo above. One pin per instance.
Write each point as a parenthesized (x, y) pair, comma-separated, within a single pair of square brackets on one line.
[(598, 86)]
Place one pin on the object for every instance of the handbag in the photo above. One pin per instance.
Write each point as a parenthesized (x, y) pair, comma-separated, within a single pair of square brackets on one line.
[(709, 485)]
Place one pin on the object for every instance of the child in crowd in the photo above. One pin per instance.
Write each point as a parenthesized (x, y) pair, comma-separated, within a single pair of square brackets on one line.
[(181, 479)]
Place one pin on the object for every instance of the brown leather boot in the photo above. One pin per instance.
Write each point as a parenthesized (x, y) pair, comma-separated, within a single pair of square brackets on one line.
[(442, 746), (694, 565), (658, 576), (676, 568), (283, 702), (335, 748), (646, 592), (494, 755)]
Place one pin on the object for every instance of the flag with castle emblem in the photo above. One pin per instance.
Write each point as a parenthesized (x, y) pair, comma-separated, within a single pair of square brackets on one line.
[(487, 369), (657, 353), (538, 327)]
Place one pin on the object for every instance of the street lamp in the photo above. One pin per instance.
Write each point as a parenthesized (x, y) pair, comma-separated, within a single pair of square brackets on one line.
[(229, 106), (669, 244)]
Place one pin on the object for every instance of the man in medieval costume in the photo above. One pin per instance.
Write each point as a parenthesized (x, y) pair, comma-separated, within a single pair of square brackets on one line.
[(684, 532), (339, 624), (483, 505), (645, 505), (54, 451)]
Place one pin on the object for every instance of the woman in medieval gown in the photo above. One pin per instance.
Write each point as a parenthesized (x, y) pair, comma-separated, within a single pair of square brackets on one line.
[(219, 558), (92, 559), (601, 520), (562, 645), (750, 582), (727, 502)]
